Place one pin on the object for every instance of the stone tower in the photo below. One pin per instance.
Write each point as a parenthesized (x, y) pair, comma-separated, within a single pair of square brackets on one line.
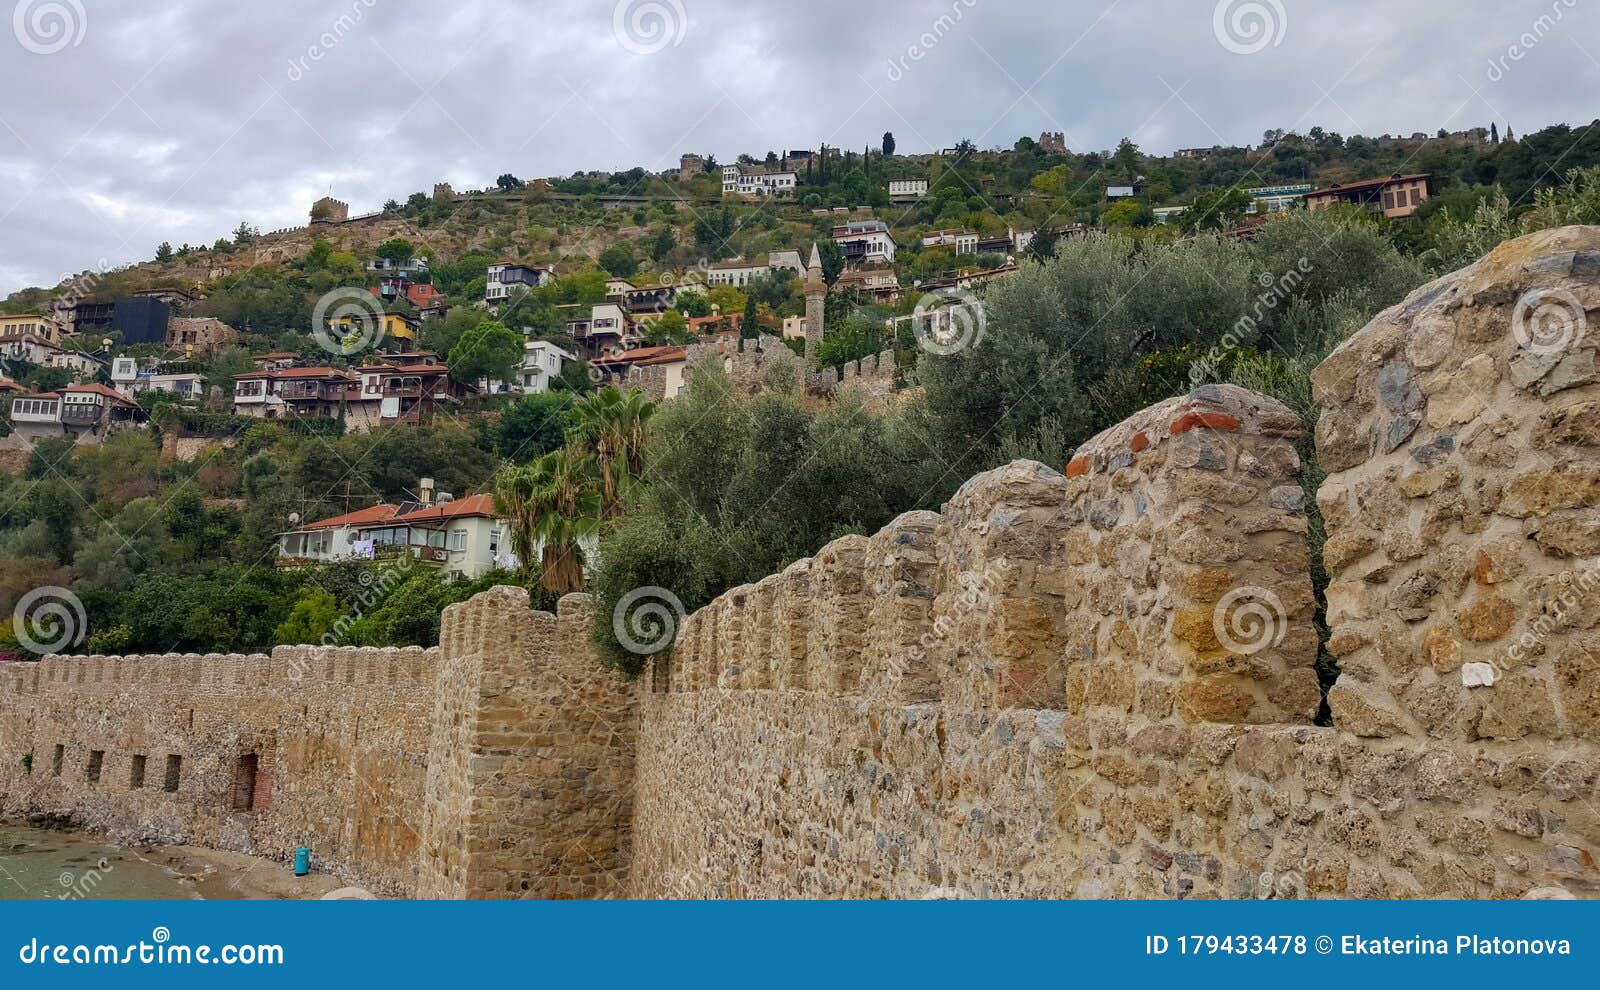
[(816, 292)]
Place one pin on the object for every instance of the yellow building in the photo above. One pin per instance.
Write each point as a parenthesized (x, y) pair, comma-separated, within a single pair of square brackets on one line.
[(40, 326), (393, 326)]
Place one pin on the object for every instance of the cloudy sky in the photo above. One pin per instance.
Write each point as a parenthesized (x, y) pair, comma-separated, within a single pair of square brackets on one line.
[(123, 125)]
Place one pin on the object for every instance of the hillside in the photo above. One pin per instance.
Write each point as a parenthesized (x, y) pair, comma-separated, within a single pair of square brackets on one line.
[(669, 225)]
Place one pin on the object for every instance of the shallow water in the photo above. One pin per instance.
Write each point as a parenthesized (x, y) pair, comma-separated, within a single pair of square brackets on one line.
[(36, 864)]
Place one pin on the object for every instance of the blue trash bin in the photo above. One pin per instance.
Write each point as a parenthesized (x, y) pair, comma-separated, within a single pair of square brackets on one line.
[(302, 861)]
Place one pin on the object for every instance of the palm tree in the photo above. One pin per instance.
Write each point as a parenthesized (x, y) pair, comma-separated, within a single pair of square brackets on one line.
[(552, 504), (611, 426)]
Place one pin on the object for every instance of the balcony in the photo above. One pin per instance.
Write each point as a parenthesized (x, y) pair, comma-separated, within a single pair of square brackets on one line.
[(301, 392), (80, 414)]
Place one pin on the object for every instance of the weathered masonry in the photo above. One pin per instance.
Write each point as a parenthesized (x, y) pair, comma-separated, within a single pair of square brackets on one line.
[(1091, 683)]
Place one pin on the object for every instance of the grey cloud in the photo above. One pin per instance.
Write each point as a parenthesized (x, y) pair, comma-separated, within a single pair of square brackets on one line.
[(174, 123)]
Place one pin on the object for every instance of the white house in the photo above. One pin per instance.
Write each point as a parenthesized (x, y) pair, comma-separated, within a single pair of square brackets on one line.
[(904, 189), (753, 180), (464, 538), (42, 410), (330, 540), (864, 240), (506, 278), (129, 380), (542, 361), (36, 350), (397, 267), (74, 410), (735, 272), (604, 328), (788, 261), (1277, 199), (964, 241)]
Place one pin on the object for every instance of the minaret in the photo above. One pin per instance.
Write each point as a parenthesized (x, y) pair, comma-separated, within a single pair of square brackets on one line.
[(816, 292)]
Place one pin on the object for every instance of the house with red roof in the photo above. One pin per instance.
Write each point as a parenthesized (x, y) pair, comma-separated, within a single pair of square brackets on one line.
[(660, 371), (315, 393), (463, 537), (91, 410)]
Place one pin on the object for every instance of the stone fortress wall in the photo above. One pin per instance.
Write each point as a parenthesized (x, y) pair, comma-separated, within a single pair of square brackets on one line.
[(157, 748), (1096, 683)]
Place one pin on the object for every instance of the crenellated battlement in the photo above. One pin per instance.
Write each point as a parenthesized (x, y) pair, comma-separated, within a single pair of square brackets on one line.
[(224, 673), (1035, 589)]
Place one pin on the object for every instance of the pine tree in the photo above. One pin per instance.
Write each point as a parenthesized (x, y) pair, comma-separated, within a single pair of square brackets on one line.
[(749, 327)]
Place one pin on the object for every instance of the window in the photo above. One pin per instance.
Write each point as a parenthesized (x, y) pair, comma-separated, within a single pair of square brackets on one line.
[(136, 773), (97, 760), (244, 782), (174, 774), (458, 539), (55, 763), (1416, 196)]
